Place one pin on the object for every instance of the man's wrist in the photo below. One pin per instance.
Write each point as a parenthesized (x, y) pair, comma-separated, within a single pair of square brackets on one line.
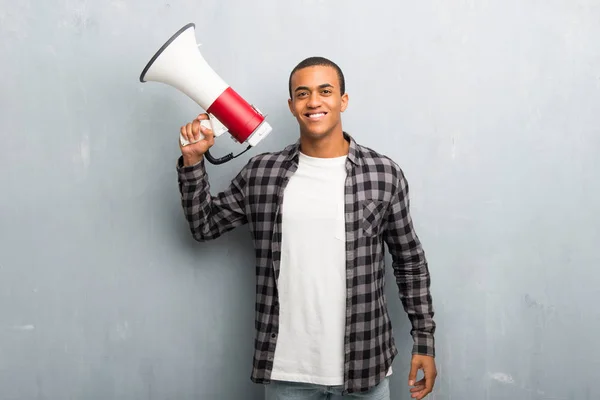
[(189, 161)]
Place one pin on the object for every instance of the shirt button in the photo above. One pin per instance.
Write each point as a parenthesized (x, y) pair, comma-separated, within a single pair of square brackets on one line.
[(273, 335)]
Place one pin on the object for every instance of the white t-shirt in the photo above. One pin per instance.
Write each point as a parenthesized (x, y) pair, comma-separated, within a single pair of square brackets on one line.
[(312, 278)]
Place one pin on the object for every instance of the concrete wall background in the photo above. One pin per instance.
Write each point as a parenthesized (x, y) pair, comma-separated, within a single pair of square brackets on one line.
[(491, 108)]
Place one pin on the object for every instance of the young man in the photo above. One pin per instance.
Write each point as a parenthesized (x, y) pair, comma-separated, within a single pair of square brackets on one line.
[(320, 212)]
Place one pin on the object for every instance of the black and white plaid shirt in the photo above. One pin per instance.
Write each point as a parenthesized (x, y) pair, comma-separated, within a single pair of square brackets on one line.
[(376, 213)]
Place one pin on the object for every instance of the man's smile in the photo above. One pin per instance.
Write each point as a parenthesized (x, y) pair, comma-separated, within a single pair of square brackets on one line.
[(315, 116)]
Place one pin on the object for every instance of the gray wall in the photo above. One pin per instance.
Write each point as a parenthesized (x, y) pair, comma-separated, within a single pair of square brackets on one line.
[(491, 107)]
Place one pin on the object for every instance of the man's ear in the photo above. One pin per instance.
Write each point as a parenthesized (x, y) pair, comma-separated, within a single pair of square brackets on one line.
[(345, 99), (291, 107)]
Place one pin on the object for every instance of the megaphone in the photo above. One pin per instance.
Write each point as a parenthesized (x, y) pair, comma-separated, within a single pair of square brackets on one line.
[(180, 64)]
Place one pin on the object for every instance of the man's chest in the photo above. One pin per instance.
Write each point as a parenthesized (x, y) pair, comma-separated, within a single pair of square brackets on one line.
[(359, 197), (313, 203)]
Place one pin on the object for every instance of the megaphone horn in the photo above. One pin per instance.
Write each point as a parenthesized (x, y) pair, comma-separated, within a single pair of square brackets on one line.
[(180, 64)]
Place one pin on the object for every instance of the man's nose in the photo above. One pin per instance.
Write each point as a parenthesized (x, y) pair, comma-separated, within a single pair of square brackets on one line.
[(314, 100)]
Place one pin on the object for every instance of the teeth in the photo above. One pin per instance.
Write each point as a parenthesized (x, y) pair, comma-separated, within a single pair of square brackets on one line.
[(316, 115)]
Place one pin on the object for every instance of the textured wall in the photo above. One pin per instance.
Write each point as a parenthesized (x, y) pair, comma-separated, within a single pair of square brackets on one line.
[(491, 107)]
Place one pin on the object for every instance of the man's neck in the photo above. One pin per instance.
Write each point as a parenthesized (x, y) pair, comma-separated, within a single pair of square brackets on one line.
[(333, 145)]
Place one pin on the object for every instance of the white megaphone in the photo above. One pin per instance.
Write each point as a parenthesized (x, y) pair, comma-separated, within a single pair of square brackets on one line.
[(179, 63)]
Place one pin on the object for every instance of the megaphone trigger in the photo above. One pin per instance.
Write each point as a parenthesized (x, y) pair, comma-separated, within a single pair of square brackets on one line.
[(216, 126)]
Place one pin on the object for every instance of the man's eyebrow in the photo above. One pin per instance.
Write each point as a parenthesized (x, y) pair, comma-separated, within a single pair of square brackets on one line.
[(322, 86)]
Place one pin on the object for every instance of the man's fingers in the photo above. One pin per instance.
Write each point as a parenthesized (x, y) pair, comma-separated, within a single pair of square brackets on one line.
[(207, 133), (419, 390), (429, 380), (412, 375), (190, 132), (196, 128), (420, 395), (197, 133), (418, 386), (184, 133), (430, 375)]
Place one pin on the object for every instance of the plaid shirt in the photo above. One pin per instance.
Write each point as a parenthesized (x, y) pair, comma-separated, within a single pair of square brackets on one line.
[(376, 212)]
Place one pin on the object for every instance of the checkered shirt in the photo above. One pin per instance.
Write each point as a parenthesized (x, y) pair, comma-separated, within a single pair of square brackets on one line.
[(376, 213)]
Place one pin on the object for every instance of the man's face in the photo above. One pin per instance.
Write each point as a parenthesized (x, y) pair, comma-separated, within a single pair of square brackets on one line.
[(317, 102)]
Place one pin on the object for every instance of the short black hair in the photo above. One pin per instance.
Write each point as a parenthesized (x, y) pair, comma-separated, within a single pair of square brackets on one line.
[(320, 61)]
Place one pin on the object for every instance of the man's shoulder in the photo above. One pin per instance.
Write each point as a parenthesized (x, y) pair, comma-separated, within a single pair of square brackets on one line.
[(379, 162), (269, 161), (269, 157)]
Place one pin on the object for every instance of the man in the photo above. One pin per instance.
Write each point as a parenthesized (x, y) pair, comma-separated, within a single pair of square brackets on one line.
[(319, 212)]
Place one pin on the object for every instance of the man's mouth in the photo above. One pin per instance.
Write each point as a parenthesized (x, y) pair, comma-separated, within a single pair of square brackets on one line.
[(315, 116)]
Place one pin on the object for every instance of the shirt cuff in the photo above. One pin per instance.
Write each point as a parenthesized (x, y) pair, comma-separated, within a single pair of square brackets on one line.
[(190, 173), (424, 345)]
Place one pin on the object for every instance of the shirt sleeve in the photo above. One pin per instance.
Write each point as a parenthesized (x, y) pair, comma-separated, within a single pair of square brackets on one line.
[(411, 270), (210, 216)]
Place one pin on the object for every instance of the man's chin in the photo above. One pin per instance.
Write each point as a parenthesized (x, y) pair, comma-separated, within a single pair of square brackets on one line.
[(314, 133)]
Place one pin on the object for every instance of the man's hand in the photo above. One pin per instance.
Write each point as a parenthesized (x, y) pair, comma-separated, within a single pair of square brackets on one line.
[(201, 139), (422, 388)]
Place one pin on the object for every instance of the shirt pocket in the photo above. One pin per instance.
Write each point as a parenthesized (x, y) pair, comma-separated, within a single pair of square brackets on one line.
[(372, 216)]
